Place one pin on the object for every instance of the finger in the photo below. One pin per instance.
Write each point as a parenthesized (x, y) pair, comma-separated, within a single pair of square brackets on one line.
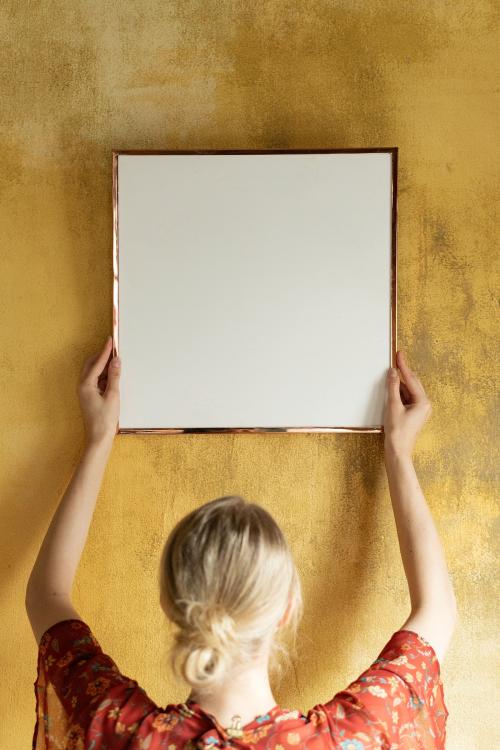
[(393, 386), (114, 370), (405, 393), (413, 384), (95, 365), (86, 367), (89, 362)]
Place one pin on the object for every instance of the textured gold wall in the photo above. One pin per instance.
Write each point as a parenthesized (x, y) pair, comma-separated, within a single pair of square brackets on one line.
[(82, 78)]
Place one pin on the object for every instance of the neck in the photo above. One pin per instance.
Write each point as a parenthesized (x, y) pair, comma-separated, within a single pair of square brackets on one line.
[(248, 694)]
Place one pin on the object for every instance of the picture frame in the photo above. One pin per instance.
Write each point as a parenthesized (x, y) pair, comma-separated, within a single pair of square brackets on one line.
[(254, 290)]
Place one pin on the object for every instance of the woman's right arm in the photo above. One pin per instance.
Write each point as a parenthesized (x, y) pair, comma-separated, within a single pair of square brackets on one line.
[(401, 694), (433, 604)]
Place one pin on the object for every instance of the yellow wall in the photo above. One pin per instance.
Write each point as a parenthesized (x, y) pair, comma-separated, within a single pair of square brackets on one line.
[(86, 77)]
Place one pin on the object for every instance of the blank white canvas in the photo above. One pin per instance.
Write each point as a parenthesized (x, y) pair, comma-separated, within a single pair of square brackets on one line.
[(254, 290)]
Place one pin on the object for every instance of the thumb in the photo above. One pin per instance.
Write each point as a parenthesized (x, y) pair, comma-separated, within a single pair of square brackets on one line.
[(393, 384), (114, 370)]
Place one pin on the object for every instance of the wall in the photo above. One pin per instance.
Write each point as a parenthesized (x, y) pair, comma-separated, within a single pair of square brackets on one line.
[(82, 78)]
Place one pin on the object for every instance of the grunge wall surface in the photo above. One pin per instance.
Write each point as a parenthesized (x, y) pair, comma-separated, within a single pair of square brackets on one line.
[(81, 78)]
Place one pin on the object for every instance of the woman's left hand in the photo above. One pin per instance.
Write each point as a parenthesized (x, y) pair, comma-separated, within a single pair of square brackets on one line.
[(99, 394)]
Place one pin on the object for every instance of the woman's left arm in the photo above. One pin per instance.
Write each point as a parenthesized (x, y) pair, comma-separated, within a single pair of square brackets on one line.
[(48, 592)]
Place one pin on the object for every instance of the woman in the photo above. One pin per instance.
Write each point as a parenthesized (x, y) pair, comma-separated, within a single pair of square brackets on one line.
[(228, 581)]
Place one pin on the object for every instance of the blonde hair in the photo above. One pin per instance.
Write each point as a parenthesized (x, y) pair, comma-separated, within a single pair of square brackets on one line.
[(228, 581)]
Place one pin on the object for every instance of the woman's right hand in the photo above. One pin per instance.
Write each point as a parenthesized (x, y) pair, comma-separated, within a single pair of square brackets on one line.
[(407, 409)]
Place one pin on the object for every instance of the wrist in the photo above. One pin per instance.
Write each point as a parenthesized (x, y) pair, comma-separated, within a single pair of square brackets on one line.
[(394, 452), (102, 445)]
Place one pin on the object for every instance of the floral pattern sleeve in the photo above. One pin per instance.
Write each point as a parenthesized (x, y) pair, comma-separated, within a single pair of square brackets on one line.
[(397, 703), (79, 691)]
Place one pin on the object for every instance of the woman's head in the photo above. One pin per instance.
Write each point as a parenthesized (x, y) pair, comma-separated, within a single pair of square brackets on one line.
[(229, 583)]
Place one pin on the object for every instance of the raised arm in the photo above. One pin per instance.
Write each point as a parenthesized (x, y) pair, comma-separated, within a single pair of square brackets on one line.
[(433, 604), (48, 591)]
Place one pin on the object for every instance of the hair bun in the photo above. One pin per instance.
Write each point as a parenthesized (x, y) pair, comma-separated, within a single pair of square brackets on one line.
[(210, 641), (205, 666)]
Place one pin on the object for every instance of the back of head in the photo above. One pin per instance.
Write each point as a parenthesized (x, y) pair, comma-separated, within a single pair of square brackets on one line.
[(227, 580)]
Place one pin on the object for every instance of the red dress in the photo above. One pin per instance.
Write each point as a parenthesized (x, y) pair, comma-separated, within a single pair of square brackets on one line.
[(84, 702)]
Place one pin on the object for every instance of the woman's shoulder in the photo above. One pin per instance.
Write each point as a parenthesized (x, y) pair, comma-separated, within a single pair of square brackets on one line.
[(401, 692)]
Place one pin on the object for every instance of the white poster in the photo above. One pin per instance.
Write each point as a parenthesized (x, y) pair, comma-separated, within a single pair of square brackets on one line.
[(254, 291)]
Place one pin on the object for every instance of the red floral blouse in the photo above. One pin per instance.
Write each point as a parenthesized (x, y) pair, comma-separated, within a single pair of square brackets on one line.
[(84, 702)]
